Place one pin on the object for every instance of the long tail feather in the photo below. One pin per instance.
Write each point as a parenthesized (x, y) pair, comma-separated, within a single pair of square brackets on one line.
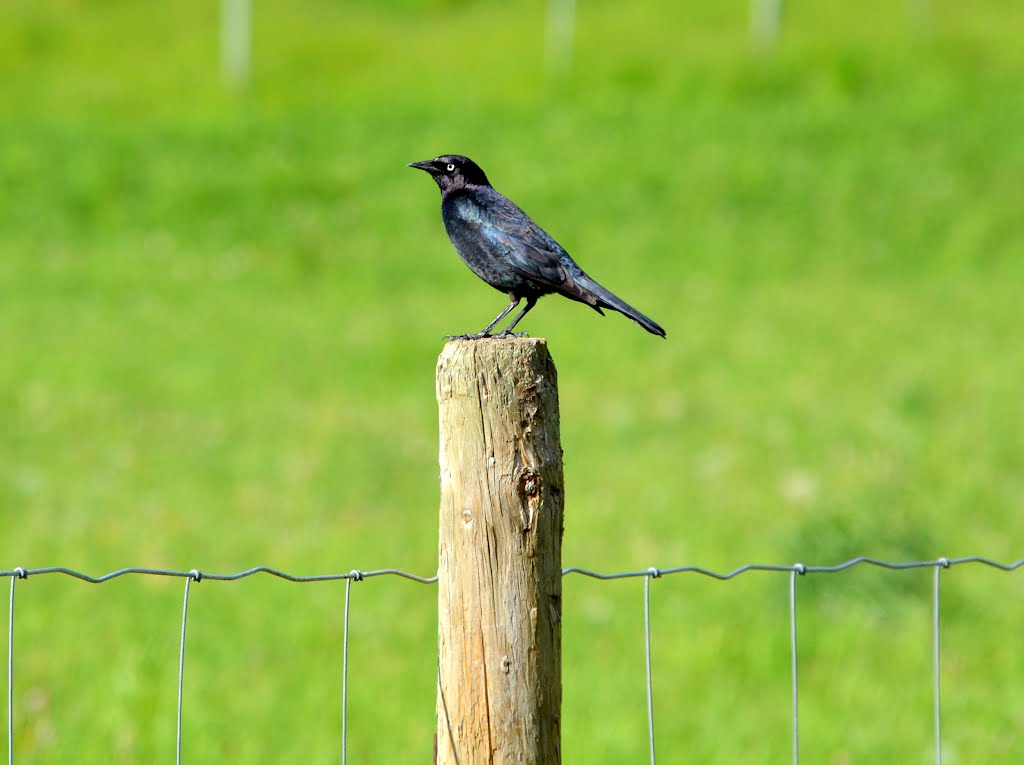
[(606, 299)]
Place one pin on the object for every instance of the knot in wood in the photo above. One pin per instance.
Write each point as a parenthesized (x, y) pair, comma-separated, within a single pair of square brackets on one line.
[(530, 484), (528, 391)]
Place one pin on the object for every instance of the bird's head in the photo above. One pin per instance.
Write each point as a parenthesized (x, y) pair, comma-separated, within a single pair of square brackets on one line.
[(453, 171)]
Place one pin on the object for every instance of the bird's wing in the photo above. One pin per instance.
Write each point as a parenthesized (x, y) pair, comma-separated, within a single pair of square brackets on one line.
[(530, 250)]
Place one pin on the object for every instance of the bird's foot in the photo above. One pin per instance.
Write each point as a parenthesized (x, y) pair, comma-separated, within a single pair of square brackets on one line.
[(486, 335), (476, 336)]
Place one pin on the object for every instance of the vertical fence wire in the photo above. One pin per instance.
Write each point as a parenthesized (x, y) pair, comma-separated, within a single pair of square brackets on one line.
[(18, 573), (942, 563), (181, 659), (798, 568), (355, 576), (447, 719), (652, 574)]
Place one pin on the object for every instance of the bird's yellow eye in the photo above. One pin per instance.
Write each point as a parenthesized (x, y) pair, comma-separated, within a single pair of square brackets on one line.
[(451, 167)]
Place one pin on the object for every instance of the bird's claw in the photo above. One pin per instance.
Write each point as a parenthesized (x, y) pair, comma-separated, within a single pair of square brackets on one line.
[(486, 335), (477, 336)]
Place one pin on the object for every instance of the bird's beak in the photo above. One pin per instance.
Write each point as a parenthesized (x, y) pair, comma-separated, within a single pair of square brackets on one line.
[(427, 164)]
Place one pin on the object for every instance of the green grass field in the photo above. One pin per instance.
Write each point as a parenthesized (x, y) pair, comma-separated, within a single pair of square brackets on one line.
[(221, 311)]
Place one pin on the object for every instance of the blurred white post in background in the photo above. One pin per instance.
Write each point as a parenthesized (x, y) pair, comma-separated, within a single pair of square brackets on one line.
[(765, 22), (920, 13), (560, 31), (235, 40)]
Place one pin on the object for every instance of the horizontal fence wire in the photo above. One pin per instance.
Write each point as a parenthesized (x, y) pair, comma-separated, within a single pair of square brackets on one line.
[(196, 575), (794, 571), (799, 568)]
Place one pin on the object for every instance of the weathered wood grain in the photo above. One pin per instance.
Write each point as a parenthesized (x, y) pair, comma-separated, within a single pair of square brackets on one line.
[(500, 584)]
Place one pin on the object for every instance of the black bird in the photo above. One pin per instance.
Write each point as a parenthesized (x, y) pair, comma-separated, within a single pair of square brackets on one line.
[(505, 248)]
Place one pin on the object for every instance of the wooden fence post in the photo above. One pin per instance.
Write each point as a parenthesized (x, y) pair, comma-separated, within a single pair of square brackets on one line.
[(500, 555)]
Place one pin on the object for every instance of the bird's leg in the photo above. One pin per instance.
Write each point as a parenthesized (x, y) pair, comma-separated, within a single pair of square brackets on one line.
[(530, 303), (486, 331)]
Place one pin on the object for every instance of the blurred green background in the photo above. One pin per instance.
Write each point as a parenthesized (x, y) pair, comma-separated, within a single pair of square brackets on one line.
[(222, 305)]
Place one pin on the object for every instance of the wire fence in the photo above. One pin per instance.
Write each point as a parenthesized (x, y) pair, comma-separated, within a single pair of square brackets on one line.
[(793, 571)]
